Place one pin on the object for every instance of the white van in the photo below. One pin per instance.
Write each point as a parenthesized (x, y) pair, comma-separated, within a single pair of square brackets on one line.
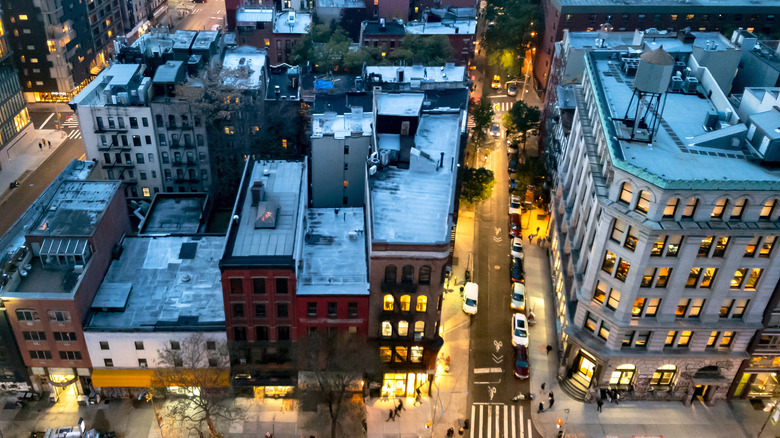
[(470, 296)]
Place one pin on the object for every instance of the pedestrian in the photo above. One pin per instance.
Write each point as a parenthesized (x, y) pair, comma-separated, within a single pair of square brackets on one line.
[(43, 140), (599, 404), (537, 230), (543, 383), (40, 146), (390, 416), (552, 400), (549, 349), (609, 396), (541, 407), (401, 405), (49, 141), (395, 411), (417, 397), (615, 396)]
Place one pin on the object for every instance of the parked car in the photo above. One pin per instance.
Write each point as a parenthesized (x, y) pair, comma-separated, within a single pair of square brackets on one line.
[(517, 301), (516, 266), (513, 163), (519, 330), (495, 130), (515, 205), (470, 298), (496, 84), (522, 368), (514, 225), (511, 89), (517, 247), (511, 146)]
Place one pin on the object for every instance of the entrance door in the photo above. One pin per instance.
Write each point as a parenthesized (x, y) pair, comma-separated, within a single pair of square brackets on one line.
[(586, 368)]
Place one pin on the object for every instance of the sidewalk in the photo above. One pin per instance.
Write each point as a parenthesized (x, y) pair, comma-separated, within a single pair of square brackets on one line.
[(448, 402), (30, 157)]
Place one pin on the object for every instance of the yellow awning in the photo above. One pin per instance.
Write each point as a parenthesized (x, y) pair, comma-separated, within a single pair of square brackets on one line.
[(105, 378)]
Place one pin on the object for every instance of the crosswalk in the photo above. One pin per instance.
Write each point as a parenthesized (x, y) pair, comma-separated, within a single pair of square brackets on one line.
[(74, 134), (502, 107), (498, 420), (72, 122)]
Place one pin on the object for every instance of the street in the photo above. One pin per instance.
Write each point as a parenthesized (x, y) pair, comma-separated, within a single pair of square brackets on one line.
[(188, 15)]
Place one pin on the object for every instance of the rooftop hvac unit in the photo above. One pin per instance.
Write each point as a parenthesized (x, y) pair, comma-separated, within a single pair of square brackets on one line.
[(372, 170), (677, 84), (711, 122), (384, 157), (690, 84)]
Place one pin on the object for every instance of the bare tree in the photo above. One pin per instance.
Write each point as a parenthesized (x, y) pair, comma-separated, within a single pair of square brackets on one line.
[(202, 367), (333, 368)]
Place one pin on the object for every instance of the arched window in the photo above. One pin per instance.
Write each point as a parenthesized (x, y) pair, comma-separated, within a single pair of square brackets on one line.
[(419, 330), (391, 273), (403, 328), (422, 304), (387, 329), (406, 303), (739, 207), (389, 301), (663, 376), (425, 275), (767, 210), (407, 274), (690, 208), (720, 208), (623, 375), (643, 204), (671, 208), (626, 193)]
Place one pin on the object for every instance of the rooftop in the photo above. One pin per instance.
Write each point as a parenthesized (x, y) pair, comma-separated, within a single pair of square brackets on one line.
[(122, 76), (247, 62), (76, 209), (402, 104), (343, 103), (174, 213), (464, 27), (168, 72), (376, 27), (284, 185), (284, 83), (161, 283), (446, 73), (334, 253), (414, 205), (292, 22), (341, 4), (342, 125), (182, 39), (666, 4), (205, 39), (683, 155), (254, 15)]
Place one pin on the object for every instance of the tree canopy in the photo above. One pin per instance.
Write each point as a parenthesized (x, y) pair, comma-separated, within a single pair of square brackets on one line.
[(481, 112), (520, 119), (510, 29), (477, 185)]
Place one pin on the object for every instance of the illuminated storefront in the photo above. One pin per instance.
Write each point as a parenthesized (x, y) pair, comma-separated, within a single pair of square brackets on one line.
[(403, 384), (760, 378)]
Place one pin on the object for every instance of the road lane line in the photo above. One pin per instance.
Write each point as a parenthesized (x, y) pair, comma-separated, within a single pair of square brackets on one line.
[(487, 370), (514, 429), (46, 121), (473, 424), (490, 422), (480, 421), (81, 158), (506, 418), (529, 427), (522, 430)]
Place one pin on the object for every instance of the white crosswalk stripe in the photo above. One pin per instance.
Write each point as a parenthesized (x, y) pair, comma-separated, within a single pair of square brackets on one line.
[(74, 134), (498, 420), (73, 122)]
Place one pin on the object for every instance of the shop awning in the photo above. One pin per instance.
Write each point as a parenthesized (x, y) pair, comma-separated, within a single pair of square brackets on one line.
[(122, 378)]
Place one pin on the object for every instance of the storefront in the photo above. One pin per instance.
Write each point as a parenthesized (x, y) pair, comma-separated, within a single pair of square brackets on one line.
[(760, 379), (403, 384)]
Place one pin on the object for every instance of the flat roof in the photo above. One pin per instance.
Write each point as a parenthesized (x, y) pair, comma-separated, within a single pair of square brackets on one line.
[(182, 39), (76, 209), (284, 183), (120, 75), (414, 206), (158, 289), (445, 73), (292, 22), (374, 28), (341, 4), (249, 59), (285, 77), (167, 72), (400, 104), (334, 253), (205, 39), (463, 27), (255, 15), (769, 121), (677, 158), (341, 125), (174, 213), (665, 4), (343, 103)]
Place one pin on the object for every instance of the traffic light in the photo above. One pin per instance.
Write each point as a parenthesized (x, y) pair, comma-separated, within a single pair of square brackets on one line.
[(560, 423)]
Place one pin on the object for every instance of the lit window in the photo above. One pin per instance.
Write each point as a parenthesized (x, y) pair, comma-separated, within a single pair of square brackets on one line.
[(766, 248), (658, 247), (696, 307), (388, 303), (750, 250), (670, 338), (385, 354), (626, 193), (693, 277), (614, 299), (739, 277), (752, 280), (767, 210), (590, 323), (647, 279), (739, 207), (644, 202), (387, 329), (631, 239), (639, 305), (23, 17), (720, 208), (704, 249), (682, 308), (403, 328), (726, 340), (609, 262), (601, 292), (663, 277), (709, 277), (671, 208), (622, 270), (685, 339), (416, 354), (406, 303), (713, 338), (652, 306), (146, 191), (720, 247), (422, 304), (690, 208)]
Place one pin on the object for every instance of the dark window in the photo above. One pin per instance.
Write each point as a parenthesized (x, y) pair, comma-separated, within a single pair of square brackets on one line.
[(236, 286), (211, 345), (282, 310), (284, 333), (311, 308), (281, 286), (178, 362), (261, 333), (40, 354), (133, 122), (258, 285), (142, 363), (346, 149), (34, 336), (108, 362), (260, 311), (333, 310), (139, 158), (103, 345), (407, 274), (175, 345), (238, 310), (145, 122), (70, 355), (139, 345), (239, 333), (352, 310), (391, 273), (65, 336), (424, 275)]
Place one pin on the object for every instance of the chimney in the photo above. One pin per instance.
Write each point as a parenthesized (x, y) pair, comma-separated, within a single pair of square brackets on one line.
[(258, 192)]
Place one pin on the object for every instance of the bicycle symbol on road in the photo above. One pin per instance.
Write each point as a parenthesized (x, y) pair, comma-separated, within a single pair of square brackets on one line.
[(498, 345)]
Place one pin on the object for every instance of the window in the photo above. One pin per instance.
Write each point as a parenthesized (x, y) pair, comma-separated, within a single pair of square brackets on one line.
[(658, 247), (352, 310), (704, 249), (178, 362), (682, 308), (671, 208), (639, 306), (261, 333), (693, 277), (283, 333), (139, 345), (238, 310), (40, 354), (333, 310), (424, 277), (647, 278), (720, 208), (419, 330), (628, 340), (709, 277), (752, 280), (282, 310), (663, 277), (739, 277), (631, 239), (311, 309), (601, 292), (385, 354), (739, 207), (27, 315), (139, 158), (239, 333), (626, 193), (673, 246), (346, 149), (713, 339), (590, 323), (407, 274), (614, 299), (750, 251), (725, 309), (142, 363), (670, 338), (103, 345), (739, 309), (696, 307), (387, 329), (642, 338), (726, 340), (388, 303), (609, 262), (281, 286), (213, 362), (766, 248), (618, 228), (406, 303), (622, 270), (652, 306), (403, 328), (211, 345), (603, 331), (685, 339), (720, 247), (260, 311), (690, 208), (422, 304), (416, 354), (643, 204), (65, 336), (108, 363), (391, 272), (236, 286), (59, 316), (767, 210), (34, 336)]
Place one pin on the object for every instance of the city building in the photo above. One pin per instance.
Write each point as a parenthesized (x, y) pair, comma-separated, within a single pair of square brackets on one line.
[(255, 25), (460, 31), (139, 15), (669, 15), (14, 117), (760, 63), (415, 77), (289, 27), (58, 50), (53, 274), (384, 33), (663, 224)]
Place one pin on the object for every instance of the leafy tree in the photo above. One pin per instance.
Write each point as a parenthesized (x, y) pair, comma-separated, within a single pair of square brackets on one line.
[(335, 366), (520, 119), (481, 111), (477, 185), (509, 29), (428, 50), (206, 375)]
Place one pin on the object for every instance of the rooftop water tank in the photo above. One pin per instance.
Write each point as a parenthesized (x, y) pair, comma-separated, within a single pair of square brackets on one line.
[(654, 71)]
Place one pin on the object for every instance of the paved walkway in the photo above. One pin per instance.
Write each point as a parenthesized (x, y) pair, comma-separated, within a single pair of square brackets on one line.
[(30, 158)]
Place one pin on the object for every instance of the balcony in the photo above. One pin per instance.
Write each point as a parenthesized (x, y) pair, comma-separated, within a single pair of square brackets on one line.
[(113, 147), (102, 128), (408, 288)]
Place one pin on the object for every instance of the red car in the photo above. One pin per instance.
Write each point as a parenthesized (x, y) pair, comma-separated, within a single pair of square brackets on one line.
[(521, 363), (514, 225)]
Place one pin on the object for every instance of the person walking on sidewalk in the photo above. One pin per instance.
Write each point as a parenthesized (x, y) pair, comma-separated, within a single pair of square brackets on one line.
[(599, 405), (549, 349), (543, 384), (552, 400), (417, 397), (401, 405), (615, 396), (390, 416), (49, 141), (537, 230), (541, 407), (40, 145)]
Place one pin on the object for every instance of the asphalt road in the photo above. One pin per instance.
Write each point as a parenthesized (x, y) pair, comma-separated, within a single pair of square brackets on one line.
[(23, 196), (197, 16)]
